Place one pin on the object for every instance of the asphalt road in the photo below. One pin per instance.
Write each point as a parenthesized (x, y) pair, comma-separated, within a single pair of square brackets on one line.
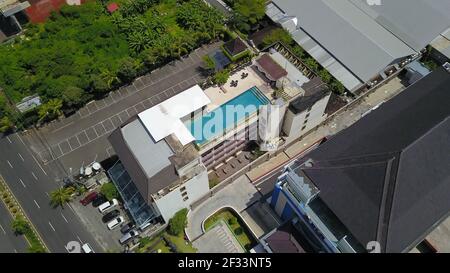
[(9, 243), (31, 183)]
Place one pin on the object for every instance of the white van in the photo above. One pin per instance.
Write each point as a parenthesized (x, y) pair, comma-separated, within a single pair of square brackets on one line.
[(108, 205), (87, 248), (115, 223)]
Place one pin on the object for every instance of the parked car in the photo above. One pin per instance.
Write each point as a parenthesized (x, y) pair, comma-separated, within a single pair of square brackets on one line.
[(89, 198), (110, 215), (100, 199), (87, 248), (115, 223), (126, 228), (128, 236), (108, 205)]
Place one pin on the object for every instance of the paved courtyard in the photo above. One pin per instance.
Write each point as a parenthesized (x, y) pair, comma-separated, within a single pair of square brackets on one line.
[(82, 138), (219, 239)]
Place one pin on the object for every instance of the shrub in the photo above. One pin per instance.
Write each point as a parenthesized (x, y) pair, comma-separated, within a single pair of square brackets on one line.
[(20, 225), (232, 221), (221, 77), (109, 190), (178, 223), (213, 182), (238, 231)]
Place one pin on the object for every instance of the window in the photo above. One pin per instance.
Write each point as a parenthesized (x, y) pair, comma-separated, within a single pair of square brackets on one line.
[(307, 115), (184, 194), (306, 121), (186, 198), (303, 128), (309, 109)]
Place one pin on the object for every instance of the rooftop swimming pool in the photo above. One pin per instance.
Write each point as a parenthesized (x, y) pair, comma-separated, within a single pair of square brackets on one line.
[(227, 116)]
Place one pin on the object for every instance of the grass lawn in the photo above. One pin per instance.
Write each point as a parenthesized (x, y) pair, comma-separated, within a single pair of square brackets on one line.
[(238, 228), (158, 242), (181, 243)]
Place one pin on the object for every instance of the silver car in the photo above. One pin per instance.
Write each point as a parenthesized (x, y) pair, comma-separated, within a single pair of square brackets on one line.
[(128, 236)]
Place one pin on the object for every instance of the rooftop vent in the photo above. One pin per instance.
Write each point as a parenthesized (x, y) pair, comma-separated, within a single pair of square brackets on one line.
[(447, 66)]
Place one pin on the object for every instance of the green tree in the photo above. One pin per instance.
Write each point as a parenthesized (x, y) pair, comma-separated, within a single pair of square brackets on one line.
[(20, 225), (210, 64), (221, 77), (128, 69), (73, 96), (6, 124), (248, 13), (277, 35), (109, 190), (337, 87), (138, 42), (59, 197), (178, 223), (50, 110)]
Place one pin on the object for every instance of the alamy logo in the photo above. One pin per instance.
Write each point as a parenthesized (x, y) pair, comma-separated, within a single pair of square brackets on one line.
[(373, 2), (73, 247), (373, 247)]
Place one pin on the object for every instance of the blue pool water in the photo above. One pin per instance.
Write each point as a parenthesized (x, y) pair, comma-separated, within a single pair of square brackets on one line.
[(227, 116)]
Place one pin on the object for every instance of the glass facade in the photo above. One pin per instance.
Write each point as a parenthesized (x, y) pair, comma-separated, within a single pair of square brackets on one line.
[(141, 212)]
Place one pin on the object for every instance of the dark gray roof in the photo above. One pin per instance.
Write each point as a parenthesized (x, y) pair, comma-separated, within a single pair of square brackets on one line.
[(387, 177), (315, 90), (146, 162)]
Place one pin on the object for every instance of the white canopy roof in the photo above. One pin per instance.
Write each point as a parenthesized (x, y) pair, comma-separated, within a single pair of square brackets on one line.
[(164, 119)]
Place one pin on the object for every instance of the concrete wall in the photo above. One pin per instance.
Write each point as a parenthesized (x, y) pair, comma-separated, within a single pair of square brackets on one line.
[(172, 202), (293, 123)]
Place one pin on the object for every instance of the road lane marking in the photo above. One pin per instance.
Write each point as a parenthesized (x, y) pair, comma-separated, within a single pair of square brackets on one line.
[(51, 226), (3, 229), (21, 157), (46, 193), (35, 177), (64, 218), (39, 164), (78, 237), (15, 251), (37, 205), (10, 142), (23, 184), (9, 163)]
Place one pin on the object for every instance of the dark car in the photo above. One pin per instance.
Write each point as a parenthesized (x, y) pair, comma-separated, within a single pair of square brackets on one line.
[(89, 198), (110, 215), (126, 228), (100, 199)]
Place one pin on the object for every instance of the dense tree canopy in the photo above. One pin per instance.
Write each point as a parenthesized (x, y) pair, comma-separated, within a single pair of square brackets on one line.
[(247, 13), (82, 52)]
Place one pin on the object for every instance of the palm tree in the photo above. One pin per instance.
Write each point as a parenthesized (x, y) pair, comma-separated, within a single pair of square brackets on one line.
[(138, 41), (110, 77), (51, 109), (59, 197)]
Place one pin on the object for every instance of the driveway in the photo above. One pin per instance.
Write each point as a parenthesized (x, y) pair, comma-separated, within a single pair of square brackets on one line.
[(238, 195)]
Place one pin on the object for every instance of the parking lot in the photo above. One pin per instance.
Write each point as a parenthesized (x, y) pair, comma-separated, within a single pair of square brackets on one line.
[(92, 219), (218, 240), (82, 138)]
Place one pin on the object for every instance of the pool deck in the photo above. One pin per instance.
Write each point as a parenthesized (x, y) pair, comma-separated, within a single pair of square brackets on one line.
[(220, 95)]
